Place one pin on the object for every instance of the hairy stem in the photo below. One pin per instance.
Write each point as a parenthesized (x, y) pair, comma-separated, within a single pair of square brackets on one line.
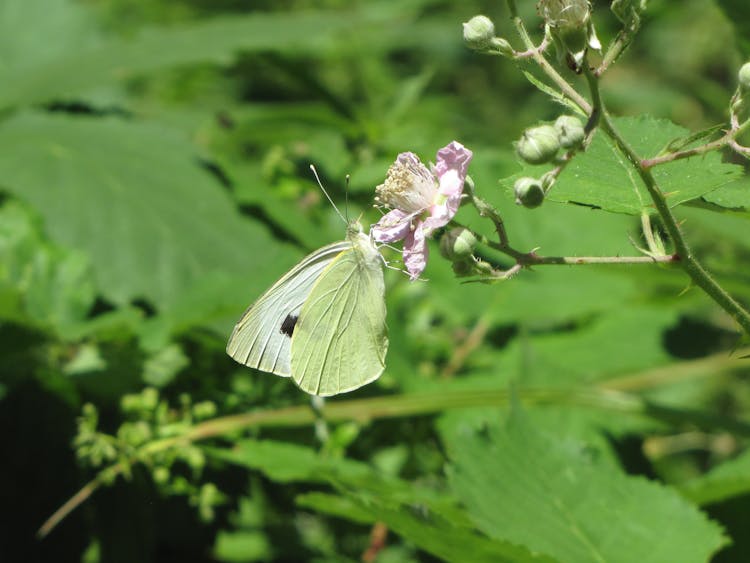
[(688, 261), (538, 57), (533, 259), (727, 140)]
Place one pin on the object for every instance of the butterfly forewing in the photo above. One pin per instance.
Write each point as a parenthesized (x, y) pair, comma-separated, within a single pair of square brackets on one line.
[(340, 339), (262, 337)]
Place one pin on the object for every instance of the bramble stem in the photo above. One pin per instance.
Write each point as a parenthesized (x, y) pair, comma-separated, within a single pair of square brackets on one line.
[(540, 59), (688, 261), (729, 139), (526, 259)]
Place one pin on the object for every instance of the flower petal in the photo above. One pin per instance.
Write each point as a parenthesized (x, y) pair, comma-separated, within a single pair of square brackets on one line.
[(392, 226), (452, 162), (453, 156), (415, 252)]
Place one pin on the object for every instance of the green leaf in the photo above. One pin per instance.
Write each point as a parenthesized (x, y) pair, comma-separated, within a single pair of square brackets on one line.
[(718, 229), (538, 490), (547, 295), (73, 67), (51, 285), (336, 505), (603, 177), (133, 197), (161, 368), (82, 67), (427, 529), (23, 23), (734, 195), (242, 546), (727, 480), (286, 462), (595, 352)]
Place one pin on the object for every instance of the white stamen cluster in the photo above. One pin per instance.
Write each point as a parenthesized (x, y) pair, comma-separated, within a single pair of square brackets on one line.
[(409, 186)]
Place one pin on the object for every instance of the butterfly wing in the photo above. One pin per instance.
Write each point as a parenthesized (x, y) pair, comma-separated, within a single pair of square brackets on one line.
[(262, 337), (340, 340)]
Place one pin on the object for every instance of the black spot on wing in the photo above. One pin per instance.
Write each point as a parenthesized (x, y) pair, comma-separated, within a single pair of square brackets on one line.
[(287, 327)]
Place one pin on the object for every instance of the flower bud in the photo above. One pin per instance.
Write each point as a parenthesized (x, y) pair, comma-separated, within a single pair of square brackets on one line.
[(538, 144), (501, 47), (204, 409), (160, 475), (529, 192), (457, 244), (479, 32), (569, 23), (569, 131), (744, 78), (463, 268)]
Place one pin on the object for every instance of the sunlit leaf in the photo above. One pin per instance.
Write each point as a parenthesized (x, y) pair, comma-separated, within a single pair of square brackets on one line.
[(537, 489), (134, 198), (603, 177)]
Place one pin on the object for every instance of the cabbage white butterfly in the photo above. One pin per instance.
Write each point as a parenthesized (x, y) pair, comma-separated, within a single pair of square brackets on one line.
[(323, 322)]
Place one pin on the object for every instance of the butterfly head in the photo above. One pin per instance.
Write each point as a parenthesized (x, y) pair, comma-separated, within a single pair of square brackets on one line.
[(353, 228)]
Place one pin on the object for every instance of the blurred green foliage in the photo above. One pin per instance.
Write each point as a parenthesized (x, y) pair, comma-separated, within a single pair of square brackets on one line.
[(154, 168)]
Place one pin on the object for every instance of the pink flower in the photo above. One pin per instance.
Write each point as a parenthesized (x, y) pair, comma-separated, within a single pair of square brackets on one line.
[(420, 201)]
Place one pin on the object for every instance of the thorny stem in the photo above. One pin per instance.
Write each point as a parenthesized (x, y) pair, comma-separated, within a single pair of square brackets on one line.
[(618, 46), (530, 52), (687, 260), (729, 139), (598, 116), (540, 59), (527, 259)]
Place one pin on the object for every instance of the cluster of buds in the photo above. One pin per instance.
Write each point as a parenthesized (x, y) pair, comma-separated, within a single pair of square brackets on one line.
[(457, 245), (569, 24), (539, 145)]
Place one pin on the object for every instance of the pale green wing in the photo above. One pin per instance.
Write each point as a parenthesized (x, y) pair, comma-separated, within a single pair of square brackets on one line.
[(340, 340), (262, 337)]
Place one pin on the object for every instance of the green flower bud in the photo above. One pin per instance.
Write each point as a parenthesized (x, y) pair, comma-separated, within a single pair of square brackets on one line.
[(463, 268), (479, 32), (150, 398), (529, 192), (501, 47), (538, 144), (569, 23), (160, 475), (134, 433), (457, 244), (204, 409), (194, 458), (569, 131), (744, 78)]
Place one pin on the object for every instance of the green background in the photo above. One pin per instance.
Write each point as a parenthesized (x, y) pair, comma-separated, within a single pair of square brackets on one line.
[(154, 181)]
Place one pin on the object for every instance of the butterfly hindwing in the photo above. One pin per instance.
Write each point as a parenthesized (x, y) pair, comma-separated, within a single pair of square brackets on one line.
[(262, 337), (340, 339)]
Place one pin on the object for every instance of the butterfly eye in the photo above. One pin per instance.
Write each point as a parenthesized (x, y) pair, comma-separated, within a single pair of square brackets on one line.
[(287, 327)]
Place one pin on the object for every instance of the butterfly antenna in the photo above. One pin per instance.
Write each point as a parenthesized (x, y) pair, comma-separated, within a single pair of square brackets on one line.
[(346, 197), (315, 172)]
